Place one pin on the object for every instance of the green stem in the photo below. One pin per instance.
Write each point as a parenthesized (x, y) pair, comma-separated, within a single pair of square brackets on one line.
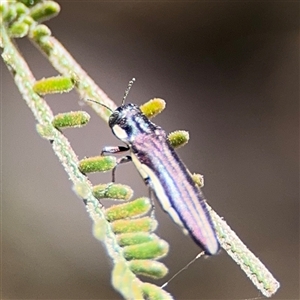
[(66, 65)]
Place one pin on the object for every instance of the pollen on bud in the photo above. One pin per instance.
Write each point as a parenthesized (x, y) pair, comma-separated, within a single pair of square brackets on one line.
[(44, 10), (21, 9), (8, 12), (145, 224), (53, 85), (198, 179), (150, 268), (152, 291), (71, 119), (127, 239), (97, 164), (153, 107), (135, 208), (178, 138), (39, 31), (113, 191), (151, 250), (18, 30)]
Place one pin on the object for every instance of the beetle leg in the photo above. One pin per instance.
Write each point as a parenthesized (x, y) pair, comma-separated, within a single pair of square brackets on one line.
[(121, 160), (147, 181), (114, 149)]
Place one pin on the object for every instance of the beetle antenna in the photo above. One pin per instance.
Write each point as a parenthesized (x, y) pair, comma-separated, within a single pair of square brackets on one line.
[(100, 104), (127, 90)]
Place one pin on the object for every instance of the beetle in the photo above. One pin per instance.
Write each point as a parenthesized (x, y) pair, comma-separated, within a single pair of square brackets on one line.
[(163, 171)]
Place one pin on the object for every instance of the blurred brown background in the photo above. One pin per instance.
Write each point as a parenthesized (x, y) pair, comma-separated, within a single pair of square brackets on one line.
[(230, 75)]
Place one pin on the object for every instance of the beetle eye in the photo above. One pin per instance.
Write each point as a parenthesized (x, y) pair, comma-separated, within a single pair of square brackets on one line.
[(122, 122), (113, 118)]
